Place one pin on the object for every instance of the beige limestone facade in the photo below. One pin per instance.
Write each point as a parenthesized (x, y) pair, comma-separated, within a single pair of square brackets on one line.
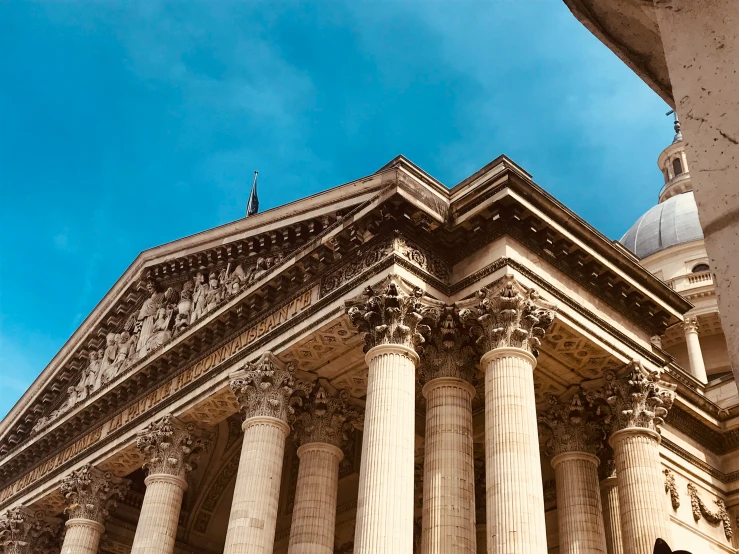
[(391, 366)]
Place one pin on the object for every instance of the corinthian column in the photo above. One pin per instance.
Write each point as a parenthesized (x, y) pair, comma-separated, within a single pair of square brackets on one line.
[(263, 389), (390, 323), (320, 431), (573, 437), (447, 364), (24, 531), (169, 447), (695, 355), (89, 494), (638, 402), (609, 501), (509, 320)]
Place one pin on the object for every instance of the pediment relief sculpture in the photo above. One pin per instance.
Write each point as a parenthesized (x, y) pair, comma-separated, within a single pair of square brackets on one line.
[(162, 317)]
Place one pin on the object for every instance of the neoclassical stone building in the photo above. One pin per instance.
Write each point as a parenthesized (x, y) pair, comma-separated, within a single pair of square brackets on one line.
[(390, 366)]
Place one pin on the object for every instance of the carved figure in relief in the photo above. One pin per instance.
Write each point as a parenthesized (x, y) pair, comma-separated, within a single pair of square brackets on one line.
[(93, 371), (214, 293), (198, 297), (147, 314), (111, 351), (184, 308), (160, 333), (260, 269), (126, 350)]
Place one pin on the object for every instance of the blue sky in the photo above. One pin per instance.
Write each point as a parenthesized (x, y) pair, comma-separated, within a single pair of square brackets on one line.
[(125, 125)]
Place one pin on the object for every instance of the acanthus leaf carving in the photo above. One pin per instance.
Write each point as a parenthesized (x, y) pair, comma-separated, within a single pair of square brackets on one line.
[(391, 316), (90, 493), (325, 418), (637, 398), (23, 531), (571, 426), (700, 509), (170, 446), (448, 349), (508, 315), (266, 387)]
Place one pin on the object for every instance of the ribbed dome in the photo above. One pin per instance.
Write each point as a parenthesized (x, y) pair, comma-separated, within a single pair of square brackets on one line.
[(674, 221)]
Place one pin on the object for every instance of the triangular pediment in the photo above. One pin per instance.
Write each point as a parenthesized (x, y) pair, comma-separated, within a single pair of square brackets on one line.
[(178, 299)]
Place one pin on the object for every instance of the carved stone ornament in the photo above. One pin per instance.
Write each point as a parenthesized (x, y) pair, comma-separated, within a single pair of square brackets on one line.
[(671, 488), (392, 316), (170, 446), (90, 493), (266, 387), (637, 398), (508, 315), (700, 509), (690, 325), (161, 317), (571, 426), (448, 349), (324, 418), (23, 531)]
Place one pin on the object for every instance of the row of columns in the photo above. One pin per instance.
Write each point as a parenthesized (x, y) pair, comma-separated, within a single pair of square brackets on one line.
[(404, 331)]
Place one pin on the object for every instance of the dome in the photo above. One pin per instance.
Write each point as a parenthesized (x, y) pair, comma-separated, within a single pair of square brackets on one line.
[(672, 222)]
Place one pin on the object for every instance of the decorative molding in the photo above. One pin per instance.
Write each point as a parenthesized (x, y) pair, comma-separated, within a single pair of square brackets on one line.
[(266, 387), (637, 398), (170, 447), (700, 509), (90, 493), (671, 487), (507, 315), (700, 464)]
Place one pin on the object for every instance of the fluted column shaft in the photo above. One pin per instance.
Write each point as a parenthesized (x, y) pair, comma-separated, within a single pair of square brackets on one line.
[(579, 510), (156, 530), (695, 354), (611, 515), (385, 501), (314, 512), (82, 537), (251, 525), (449, 472), (515, 496), (644, 516)]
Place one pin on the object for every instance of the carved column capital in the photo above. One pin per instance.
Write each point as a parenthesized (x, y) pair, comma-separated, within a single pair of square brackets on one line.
[(448, 350), (266, 387), (690, 325), (90, 493), (636, 399), (389, 315), (571, 426), (23, 531), (325, 418), (171, 447), (508, 314)]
